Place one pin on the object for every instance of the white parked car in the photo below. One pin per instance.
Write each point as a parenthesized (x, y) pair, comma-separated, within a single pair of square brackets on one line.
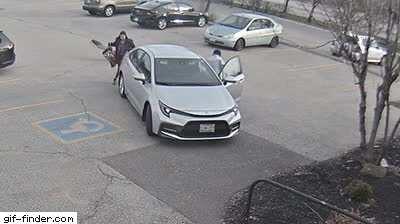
[(240, 30), (376, 53), (178, 94)]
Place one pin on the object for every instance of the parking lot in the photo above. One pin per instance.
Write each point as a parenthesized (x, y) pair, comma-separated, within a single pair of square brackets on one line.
[(298, 106)]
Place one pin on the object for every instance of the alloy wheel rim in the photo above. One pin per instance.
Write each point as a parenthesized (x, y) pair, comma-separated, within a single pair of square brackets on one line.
[(162, 23), (121, 85), (202, 21), (240, 45), (109, 11)]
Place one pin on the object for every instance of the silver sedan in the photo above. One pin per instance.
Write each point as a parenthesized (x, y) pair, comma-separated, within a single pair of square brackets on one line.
[(178, 94), (240, 30)]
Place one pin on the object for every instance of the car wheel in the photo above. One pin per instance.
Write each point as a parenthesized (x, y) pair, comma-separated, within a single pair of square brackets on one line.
[(162, 23), (109, 11), (239, 44), (121, 86), (202, 21), (274, 42), (149, 122)]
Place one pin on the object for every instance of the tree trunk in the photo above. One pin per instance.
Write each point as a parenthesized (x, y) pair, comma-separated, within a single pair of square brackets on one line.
[(361, 111), (208, 3), (394, 130), (387, 120), (380, 106), (315, 3), (286, 6)]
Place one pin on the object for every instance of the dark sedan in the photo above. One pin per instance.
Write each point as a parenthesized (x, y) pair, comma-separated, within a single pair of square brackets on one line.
[(164, 13), (7, 55)]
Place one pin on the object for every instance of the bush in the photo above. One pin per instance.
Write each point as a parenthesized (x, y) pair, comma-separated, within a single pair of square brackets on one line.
[(359, 191)]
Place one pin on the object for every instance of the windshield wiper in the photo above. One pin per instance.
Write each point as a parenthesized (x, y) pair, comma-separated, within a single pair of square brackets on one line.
[(223, 24), (186, 84)]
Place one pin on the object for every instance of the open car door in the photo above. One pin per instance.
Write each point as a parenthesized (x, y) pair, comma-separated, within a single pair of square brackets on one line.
[(233, 77)]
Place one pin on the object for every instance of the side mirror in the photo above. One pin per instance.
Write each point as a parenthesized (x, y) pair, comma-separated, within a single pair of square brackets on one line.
[(229, 79), (233, 79), (140, 77)]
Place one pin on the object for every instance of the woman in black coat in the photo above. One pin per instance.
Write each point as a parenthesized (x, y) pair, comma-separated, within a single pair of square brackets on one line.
[(122, 45)]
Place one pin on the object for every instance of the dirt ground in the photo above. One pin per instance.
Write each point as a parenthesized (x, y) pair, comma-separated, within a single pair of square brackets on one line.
[(327, 181)]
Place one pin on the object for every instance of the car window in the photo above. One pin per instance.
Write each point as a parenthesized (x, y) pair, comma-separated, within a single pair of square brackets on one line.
[(184, 72), (171, 7), (257, 25), (145, 66), (184, 7), (134, 58), (268, 24), (235, 21)]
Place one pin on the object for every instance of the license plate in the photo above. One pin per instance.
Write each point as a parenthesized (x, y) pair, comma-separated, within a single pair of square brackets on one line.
[(207, 128)]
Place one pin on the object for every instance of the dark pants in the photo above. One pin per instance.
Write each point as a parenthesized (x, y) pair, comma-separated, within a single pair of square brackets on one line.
[(117, 74)]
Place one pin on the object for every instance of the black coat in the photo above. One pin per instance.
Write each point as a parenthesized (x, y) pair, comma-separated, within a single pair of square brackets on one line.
[(122, 48)]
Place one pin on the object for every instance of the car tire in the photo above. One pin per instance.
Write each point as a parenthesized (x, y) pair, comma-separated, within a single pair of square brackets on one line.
[(239, 45), (274, 42), (201, 21), (162, 23), (121, 86), (149, 121), (109, 11), (93, 13)]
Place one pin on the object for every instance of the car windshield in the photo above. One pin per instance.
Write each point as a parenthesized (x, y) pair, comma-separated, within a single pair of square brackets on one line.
[(184, 72), (235, 21), (152, 4)]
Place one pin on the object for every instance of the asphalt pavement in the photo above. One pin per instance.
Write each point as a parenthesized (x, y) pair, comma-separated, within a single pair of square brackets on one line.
[(298, 106)]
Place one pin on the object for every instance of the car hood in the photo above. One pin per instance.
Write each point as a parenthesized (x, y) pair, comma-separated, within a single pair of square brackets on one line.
[(4, 41), (198, 100), (221, 30)]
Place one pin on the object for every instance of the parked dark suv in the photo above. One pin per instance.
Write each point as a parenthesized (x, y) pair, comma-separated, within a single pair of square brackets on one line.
[(7, 55), (162, 13)]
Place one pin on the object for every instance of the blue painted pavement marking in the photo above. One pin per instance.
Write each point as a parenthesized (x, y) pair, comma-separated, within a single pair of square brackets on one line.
[(77, 127)]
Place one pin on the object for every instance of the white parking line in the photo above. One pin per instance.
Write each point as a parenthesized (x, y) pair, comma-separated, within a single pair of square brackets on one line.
[(312, 67), (30, 106), (9, 81)]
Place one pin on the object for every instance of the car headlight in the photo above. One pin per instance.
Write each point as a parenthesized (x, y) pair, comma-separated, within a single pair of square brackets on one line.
[(166, 110), (234, 110), (10, 46), (229, 36)]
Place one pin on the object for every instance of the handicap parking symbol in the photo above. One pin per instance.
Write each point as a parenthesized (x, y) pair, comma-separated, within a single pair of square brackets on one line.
[(77, 127)]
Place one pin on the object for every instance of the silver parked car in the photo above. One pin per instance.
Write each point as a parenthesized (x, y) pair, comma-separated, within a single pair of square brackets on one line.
[(179, 96), (240, 30), (109, 7), (376, 53)]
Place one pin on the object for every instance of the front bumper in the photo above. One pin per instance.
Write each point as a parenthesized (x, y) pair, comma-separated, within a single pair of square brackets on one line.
[(186, 128), (7, 62), (220, 41), (143, 19), (94, 8)]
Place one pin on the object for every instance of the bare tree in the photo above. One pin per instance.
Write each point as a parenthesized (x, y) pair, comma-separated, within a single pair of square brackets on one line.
[(286, 6), (371, 18), (347, 17), (314, 5), (207, 7), (390, 73)]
